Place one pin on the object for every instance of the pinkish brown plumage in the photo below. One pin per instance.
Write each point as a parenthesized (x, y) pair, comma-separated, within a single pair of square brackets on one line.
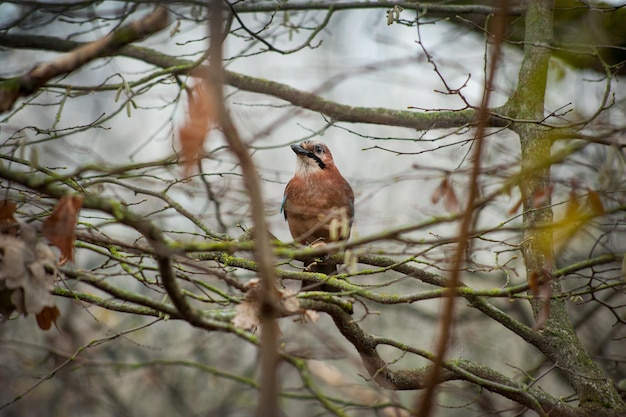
[(316, 195), (318, 202)]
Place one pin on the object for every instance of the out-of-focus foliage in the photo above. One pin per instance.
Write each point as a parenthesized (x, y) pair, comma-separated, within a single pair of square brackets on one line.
[(123, 191)]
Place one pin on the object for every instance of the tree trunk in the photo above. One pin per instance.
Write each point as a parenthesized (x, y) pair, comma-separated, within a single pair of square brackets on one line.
[(558, 340)]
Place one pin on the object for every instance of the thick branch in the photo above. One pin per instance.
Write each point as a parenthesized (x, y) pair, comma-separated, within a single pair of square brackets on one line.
[(415, 379), (430, 8), (337, 112), (24, 85), (558, 339), (162, 252)]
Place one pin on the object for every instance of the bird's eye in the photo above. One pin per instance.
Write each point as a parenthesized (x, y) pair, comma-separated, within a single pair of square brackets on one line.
[(319, 149)]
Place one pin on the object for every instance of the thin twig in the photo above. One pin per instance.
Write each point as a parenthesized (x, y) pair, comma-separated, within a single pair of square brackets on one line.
[(425, 402), (268, 403)]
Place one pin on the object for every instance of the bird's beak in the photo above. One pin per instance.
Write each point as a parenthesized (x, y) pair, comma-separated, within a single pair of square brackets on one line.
[(299, 150)]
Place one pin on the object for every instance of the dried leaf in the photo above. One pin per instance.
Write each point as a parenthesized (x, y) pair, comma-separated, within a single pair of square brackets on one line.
[(8, 223), (26, 274), (440, 191), (445, 191), (339, 225), (333, 230), (200, 114), (247, 312), (47, 316), (289, 301), (246, 315), (595, 203), (312, 315), (572, 208), (17, 301), (59, 227), (450, 202), (574, 219), (14, 258), (351, 260)]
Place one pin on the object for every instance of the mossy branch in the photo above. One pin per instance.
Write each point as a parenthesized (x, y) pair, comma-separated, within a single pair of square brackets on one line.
[(33, 80), (314, 102)]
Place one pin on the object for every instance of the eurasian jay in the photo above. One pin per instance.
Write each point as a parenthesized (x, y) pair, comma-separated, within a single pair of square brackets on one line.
[(318, 203)]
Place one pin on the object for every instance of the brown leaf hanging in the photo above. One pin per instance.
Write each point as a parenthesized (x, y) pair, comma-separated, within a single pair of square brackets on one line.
[(200, 115), (248, 311), (47, 316), (27, 271), (595, 203), (445, 191), (59, 227), (8, 223)]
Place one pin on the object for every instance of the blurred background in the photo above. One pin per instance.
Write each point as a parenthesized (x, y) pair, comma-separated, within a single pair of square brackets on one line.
[(117, 112)]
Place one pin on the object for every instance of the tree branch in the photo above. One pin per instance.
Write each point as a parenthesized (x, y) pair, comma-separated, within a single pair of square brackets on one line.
[(557, 337), (415, 379), (24, 85), (269, 311), (162, 252), (434, 8), (337, 112)]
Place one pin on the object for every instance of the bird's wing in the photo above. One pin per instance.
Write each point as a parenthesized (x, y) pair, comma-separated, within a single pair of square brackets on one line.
[(282, 206)]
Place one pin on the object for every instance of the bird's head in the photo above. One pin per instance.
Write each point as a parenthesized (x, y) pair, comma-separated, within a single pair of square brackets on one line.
[(313, 156)]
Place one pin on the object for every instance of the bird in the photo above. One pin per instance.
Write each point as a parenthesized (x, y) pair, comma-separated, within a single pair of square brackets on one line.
[(318, 203)]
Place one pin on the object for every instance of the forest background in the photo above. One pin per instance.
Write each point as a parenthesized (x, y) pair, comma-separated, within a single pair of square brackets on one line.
[(149, 143)]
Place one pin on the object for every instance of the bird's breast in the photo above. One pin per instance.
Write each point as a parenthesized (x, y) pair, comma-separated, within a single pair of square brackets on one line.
[(319, 207)]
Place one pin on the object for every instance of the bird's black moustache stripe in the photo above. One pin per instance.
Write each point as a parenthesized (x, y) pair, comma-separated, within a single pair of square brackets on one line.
[(317, 159)]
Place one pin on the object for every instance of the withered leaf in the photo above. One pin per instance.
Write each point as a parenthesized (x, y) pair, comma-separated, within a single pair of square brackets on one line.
[(27, 272), (445, 191), (595, 203), (248, 311), (311, 315), (47, 316), (246, 315), (450, 202), (8, 223), (201, 113), (59, 227), (572, 207), (289, 301), (440, 191)]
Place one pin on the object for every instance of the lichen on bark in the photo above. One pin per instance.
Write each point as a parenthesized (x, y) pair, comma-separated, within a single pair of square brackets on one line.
[(557, 338)]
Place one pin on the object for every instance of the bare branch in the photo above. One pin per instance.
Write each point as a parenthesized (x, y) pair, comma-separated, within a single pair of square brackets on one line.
[(24, 85), (269, 385), (336, 111)]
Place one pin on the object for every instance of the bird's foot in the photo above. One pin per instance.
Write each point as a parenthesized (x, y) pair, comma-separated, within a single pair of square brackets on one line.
[(320, 243)]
